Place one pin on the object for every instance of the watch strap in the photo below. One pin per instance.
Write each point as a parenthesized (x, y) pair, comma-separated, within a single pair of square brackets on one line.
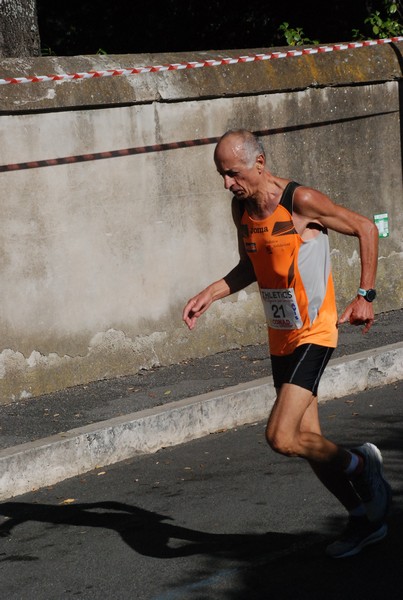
[(369, 295)]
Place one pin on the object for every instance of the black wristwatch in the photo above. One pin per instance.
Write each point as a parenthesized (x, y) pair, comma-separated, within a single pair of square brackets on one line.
[(369, 295)]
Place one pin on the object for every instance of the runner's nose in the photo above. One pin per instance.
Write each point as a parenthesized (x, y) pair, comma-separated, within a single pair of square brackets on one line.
[(228, 181)]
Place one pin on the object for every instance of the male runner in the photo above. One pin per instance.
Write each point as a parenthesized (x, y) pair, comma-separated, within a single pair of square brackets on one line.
[(283, 243)]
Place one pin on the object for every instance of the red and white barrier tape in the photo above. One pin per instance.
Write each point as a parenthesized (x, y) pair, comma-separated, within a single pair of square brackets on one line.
[(197, 65)]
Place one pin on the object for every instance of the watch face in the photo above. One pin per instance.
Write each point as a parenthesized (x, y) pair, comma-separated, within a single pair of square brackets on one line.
[(371, 295)]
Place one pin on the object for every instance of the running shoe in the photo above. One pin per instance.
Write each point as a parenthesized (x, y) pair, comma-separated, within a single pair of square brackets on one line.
[(370, 485), (360, 532)]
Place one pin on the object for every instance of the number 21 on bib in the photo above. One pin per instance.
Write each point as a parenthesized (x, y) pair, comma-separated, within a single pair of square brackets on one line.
[(281, 308)]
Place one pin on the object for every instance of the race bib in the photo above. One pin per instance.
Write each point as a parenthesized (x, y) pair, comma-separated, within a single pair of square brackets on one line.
[(281, 309)]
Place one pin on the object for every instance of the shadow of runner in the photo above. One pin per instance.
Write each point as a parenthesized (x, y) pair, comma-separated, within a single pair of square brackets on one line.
[(144, 531)]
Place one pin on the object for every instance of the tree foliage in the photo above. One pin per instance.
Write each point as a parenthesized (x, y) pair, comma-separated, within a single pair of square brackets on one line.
[(379, 24), (131, 26), (387, 23)]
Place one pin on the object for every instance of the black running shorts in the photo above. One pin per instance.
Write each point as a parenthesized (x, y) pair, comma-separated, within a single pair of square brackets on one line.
[(304, 367)]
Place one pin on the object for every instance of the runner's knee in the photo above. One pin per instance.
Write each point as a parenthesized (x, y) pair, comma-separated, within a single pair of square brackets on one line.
[(280, 442)]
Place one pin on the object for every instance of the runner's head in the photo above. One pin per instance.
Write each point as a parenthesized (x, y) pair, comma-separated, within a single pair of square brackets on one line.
[(240, 159)]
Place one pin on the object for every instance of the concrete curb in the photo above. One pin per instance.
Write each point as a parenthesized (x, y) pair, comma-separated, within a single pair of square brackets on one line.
[(50, 460)]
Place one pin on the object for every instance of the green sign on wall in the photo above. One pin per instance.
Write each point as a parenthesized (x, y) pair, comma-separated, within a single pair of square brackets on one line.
[(382, 222)]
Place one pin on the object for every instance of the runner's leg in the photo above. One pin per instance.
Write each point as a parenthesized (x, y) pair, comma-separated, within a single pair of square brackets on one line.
[(335, 481), (293, 429)]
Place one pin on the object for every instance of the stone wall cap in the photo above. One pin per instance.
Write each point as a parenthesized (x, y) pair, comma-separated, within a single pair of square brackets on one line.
[(347, 66)]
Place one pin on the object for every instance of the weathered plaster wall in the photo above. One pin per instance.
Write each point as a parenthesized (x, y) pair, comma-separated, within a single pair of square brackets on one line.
[(98, 257)]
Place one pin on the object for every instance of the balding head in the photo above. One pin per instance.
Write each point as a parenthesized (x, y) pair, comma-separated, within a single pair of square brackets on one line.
[(243, 144)]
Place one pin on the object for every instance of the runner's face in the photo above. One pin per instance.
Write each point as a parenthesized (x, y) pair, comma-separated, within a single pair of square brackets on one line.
[(239, 179)]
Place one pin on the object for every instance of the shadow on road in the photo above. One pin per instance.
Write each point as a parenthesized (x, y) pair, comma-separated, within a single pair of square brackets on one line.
[(267, 566), (146, 532)]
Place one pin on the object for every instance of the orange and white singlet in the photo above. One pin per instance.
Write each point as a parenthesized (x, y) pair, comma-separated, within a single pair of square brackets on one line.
[(294, 277)]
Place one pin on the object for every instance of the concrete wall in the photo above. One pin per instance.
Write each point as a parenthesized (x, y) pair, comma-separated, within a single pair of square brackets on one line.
[(99, 256)]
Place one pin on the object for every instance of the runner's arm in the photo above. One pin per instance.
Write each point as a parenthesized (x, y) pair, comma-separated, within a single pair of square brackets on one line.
[(238, 278)]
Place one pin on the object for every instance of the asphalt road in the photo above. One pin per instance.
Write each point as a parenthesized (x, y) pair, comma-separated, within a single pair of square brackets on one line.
[(218, 518)]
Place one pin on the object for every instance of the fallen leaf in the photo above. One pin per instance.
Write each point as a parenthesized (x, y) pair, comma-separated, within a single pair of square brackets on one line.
[(68, 501)]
